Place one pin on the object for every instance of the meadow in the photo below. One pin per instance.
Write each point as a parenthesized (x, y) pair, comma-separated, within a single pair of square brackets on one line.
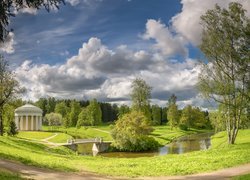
[(219, 156)]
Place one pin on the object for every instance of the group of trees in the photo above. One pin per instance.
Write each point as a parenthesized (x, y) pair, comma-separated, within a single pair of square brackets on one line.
[(225, 78)]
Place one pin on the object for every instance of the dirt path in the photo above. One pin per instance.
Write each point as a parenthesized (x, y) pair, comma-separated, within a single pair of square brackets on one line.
[(102, 130), (222, 174), (42, 174), (32, 172)]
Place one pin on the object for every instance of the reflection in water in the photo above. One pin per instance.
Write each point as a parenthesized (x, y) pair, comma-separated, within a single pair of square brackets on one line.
[(181, 145)]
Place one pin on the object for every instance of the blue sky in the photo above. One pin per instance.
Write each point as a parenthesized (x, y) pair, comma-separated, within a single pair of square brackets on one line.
[(95, 48)]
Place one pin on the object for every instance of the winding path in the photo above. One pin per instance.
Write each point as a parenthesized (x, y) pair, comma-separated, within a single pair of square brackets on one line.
[(32, 172)]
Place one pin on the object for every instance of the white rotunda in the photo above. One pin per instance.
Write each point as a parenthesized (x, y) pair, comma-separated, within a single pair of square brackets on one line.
[(28, 118)]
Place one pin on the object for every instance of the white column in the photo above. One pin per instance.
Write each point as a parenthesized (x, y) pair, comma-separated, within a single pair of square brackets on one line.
[(32, 119), (36, 122), (21, 123), (40, 127), (16, 121), (27, 120)]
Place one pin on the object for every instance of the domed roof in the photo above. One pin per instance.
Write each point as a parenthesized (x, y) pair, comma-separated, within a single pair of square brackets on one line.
[(28, 108)]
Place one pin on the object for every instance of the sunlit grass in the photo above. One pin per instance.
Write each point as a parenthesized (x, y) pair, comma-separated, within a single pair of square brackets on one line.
[(188, 163), (37, 135)]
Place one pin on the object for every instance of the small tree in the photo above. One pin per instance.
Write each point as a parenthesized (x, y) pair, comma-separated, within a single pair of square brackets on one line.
[(95, 112), (172, 112), (131, 132), (12, 129), (156, 115), (54, 119)]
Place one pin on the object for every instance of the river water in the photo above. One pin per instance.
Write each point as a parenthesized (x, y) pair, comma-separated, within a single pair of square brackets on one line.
[(181, 145)]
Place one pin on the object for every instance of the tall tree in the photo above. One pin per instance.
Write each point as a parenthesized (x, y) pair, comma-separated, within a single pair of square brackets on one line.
[(141, 94), (9, 87), (124, 109), (61, 108), (225, 73), (7, 8), (75, 110), (95, 112), (172, 112), (156, 115)]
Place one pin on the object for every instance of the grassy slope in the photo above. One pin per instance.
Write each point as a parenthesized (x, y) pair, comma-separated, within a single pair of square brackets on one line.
[(6, 175), (242, 177), (194, 162), (40, 135)]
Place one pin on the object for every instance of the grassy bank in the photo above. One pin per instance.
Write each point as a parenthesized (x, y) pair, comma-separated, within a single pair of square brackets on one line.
[(163, 134), (7, 175), (221, 156)]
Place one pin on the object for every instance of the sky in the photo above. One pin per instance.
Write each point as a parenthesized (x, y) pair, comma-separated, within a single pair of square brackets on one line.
[(95, 48)]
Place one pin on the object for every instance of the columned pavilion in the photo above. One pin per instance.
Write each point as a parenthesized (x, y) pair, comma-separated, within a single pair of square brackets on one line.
[(28, 118)]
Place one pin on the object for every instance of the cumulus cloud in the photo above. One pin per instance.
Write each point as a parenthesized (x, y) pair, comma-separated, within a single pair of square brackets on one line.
[(73, 2), (168, 43), (187, 22), (99, 72), (8, 45), (28, 10)]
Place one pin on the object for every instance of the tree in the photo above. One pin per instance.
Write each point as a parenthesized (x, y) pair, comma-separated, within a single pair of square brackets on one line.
[(85, 118), (75, 110), (51, 104), (131, 132), (95, 112), (61, 108), (9, 88), (54, 119), (42, 103), (156, 115), (7, 8), (172, 113), (141, 93), (124, 109), (187, 118), (225, 72)]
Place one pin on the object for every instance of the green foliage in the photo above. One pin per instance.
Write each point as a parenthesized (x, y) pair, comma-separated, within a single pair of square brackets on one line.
[(54, 119), (225, 72), (9, 87), (95, 112), (131, 132), (173, 115), (75, 110), (61, 108), (12, 129), (124, 109), (156, 115), (141, 93), (7, 175), (84, 118)]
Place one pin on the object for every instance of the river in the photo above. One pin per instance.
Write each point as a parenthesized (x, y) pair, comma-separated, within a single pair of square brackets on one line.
[(194, 142)]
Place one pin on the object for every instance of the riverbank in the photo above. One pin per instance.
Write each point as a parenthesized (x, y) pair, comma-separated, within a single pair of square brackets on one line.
[(60, 158)]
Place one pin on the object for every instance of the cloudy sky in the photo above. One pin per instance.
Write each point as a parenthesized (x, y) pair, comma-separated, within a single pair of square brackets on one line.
[(95, 48)]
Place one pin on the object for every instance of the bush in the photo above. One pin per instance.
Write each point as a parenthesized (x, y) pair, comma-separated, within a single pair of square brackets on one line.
[(131, 132), (183, 127)]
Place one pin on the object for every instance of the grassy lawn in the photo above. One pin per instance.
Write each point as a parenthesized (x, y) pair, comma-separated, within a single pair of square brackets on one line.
[(36, 135), (7, 175), (60, 138), (63, 159)]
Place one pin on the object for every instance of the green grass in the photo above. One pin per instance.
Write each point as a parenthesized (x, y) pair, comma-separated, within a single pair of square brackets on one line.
[(36, 135), (7, 175), (188, 163), (85, 132), (242, 177), (60, 138)]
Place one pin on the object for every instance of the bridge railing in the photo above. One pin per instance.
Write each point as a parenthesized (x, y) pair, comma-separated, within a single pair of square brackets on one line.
[(94, 140)]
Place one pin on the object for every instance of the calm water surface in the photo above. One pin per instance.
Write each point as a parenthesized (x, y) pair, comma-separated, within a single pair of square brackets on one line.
[(181, 145)]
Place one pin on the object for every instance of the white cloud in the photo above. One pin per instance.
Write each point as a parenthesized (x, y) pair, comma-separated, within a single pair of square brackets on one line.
[(98, 72), (73, 2), (187, 22), (8, 45), (168, 43), (28, 10)]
